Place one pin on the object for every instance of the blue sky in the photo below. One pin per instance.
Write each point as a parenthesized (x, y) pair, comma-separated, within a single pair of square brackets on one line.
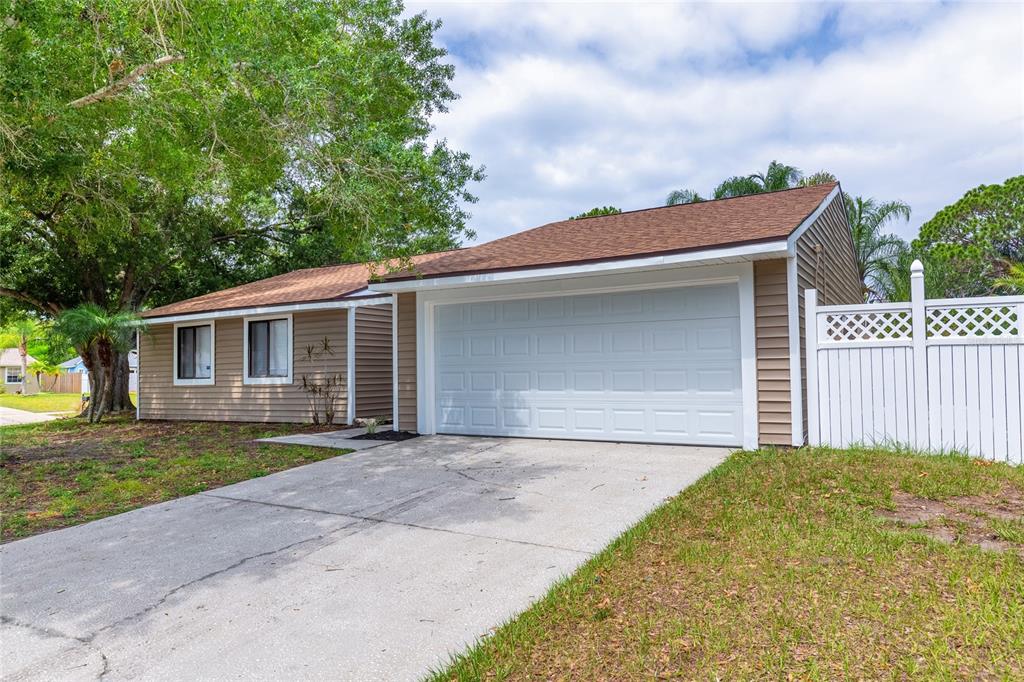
[(576, 104)]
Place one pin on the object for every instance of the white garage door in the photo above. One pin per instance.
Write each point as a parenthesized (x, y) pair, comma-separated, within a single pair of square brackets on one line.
[(651, 366)]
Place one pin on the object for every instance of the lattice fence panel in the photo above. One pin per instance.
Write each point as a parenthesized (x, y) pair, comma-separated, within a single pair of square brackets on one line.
[(991, 322), (887, 325)]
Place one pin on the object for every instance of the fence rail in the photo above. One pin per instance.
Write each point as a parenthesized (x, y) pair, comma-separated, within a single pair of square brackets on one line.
[(937, 375)]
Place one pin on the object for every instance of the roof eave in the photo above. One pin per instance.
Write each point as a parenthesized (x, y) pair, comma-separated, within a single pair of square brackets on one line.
[(806, 223), (333, 304), (775, 248)]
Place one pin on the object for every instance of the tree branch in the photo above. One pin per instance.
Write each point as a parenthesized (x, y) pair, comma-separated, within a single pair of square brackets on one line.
[(120, 86), (31, 300)]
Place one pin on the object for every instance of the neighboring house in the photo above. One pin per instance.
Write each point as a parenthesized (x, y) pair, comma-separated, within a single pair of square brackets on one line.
[(240, 354), (10, 367), (677, 324), (77, 366)]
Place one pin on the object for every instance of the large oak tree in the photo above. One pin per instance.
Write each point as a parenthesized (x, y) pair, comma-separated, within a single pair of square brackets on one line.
[(152, 150)]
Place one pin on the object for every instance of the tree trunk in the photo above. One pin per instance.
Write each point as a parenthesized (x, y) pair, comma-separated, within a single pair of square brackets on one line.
[(108, 384), (90, 358), (120, 395), (23, 352)]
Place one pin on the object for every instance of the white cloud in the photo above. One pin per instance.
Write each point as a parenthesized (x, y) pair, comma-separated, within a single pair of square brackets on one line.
[(575, 105)]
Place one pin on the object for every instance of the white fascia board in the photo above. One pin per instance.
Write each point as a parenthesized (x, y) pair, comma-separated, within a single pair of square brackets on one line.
[(271, 310), (809, 220), (733, 254)]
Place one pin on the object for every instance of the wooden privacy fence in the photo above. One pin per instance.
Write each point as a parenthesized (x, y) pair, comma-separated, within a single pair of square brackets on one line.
[(67, 382), (932, 374)]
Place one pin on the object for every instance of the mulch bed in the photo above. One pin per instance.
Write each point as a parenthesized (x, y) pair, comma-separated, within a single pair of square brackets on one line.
[(393, 436)]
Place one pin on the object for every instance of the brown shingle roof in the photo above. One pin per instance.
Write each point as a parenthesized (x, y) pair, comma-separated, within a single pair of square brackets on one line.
[(300, 286), (667, 229)]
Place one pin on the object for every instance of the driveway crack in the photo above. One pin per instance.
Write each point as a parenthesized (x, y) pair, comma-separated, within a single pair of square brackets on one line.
[(195, 581), (51, 633), (377, 519)]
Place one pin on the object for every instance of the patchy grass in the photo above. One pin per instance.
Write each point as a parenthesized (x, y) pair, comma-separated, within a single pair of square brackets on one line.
[(792, 565), (66, 472), (42, 402)]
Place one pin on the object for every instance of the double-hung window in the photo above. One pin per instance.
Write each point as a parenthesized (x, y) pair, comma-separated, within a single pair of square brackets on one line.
[(268, 350), (193, 354), (12, 375)]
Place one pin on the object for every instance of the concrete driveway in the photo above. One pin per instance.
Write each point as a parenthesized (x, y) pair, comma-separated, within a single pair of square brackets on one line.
[(10, 416), (374, 565)]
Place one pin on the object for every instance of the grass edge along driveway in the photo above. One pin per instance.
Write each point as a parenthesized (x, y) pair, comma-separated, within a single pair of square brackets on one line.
[(815, 564), (66, 472)]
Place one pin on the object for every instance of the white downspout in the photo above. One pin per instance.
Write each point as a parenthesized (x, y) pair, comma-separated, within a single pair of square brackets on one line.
[(394, 362), (350, 357)]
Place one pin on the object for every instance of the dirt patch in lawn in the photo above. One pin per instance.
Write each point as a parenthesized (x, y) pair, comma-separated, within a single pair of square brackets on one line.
[(72, 451), (986, 521)]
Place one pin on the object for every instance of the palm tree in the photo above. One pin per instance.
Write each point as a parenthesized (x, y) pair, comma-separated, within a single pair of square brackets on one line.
[(19, 334), (598, 211), (43, 368), (778, 176), (98, 335), (683, 196), (1013, 280), (822, 177), (877, 252)]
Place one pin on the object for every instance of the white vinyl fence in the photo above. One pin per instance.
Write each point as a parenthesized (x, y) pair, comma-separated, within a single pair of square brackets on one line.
[(938, 374)]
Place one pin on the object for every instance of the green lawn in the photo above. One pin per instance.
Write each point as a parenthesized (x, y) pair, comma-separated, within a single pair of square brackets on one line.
[(42, 402), (66, 472), (793, 565)]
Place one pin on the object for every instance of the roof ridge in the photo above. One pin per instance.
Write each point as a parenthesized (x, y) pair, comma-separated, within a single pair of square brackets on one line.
[(707, 201), (831, 186)]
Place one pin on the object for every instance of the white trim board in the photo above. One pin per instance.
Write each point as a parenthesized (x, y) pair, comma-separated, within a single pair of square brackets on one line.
[(707, 257), (394, 362), (350, 362), (270, 310), (796, 393)]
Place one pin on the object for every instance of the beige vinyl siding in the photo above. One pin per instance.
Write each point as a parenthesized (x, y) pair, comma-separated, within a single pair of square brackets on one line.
[(771, 330), (373, 361), (825, 261), (229, 399), (406, 361)]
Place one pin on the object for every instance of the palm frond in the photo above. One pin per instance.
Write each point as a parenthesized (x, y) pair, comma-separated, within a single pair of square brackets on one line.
[(683, 196), (1013, 280)]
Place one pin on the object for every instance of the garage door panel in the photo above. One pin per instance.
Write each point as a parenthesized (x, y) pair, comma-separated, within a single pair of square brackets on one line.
[(713, 302), (658, 366), (635, 421), (653, 383)]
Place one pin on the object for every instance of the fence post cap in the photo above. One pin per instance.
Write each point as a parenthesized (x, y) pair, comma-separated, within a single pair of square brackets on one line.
[(917, 267)]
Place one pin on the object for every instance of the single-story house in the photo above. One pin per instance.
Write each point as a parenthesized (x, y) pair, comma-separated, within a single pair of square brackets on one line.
[(241, 354), (77, 366), (10, 366), (676, 324)]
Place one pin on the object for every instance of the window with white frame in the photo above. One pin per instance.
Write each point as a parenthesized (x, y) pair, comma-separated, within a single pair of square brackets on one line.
[(193, 354), (12, 375), (268, 350)]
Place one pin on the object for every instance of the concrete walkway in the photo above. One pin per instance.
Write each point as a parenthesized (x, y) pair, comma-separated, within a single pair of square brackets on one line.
[(375, 565), (10, 416)]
